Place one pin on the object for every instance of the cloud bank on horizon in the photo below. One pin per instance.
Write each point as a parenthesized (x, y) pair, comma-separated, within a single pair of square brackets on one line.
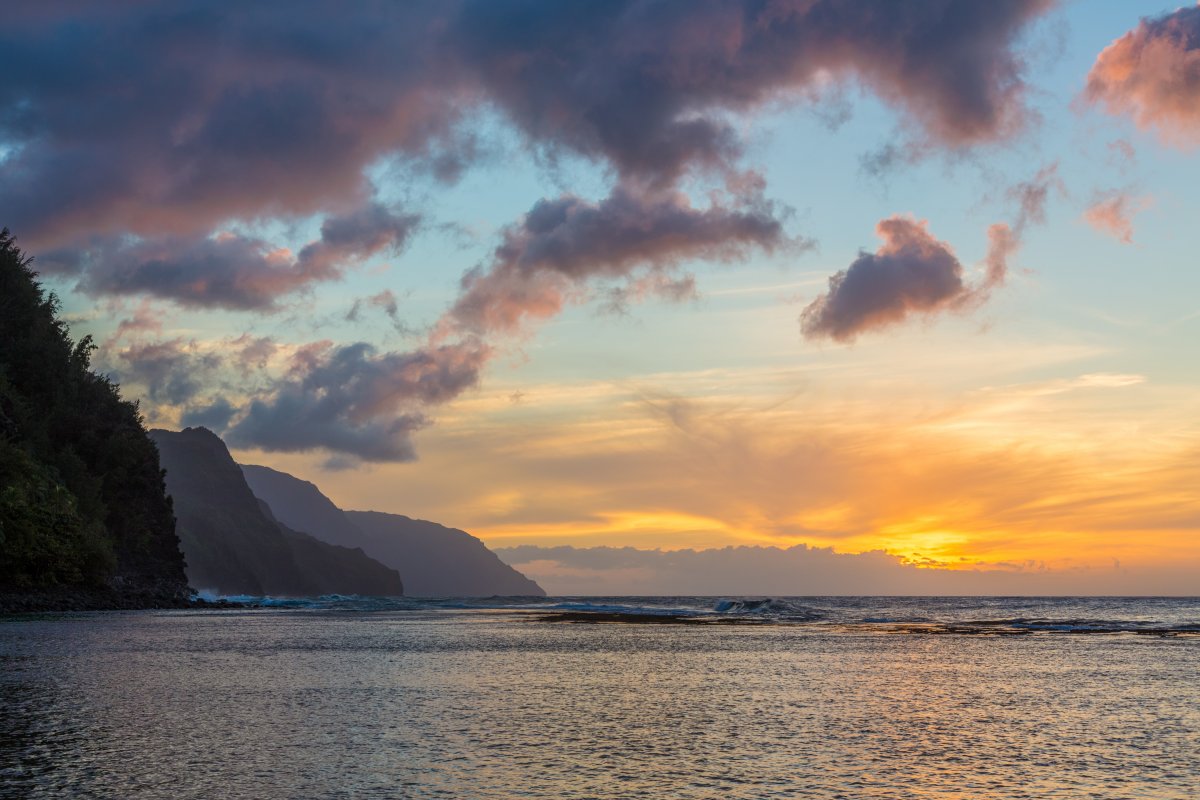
[(143, 144), (802, 571)]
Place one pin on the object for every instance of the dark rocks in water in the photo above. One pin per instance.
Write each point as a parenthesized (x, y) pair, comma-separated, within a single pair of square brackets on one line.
[(636, 618), (233, 547), (83, 598), (435, 561)]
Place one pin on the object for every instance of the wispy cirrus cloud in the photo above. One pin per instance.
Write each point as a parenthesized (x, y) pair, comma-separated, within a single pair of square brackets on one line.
[(1112, 213)]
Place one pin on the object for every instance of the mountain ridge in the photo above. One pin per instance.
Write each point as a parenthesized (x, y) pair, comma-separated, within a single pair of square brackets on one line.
[(234, 547), (435, 560)]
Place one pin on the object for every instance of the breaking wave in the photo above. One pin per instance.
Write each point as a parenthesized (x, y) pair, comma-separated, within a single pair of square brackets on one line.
[(895, 615)]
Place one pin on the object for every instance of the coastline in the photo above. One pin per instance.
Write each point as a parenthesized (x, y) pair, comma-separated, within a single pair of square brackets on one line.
[(66, 599)]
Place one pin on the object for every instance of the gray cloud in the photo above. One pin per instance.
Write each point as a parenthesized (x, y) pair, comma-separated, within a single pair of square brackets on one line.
[(1032, 195), (911, 273), (135, 133), (230, 270), (277, 111), (642, 84), (180, 371), (384, 301), (171, 371), (561, 245), (355, 401), (349, 400), (215, 415)]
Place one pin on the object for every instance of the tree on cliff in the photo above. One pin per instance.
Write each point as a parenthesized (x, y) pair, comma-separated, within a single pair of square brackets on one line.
[(82, 503)]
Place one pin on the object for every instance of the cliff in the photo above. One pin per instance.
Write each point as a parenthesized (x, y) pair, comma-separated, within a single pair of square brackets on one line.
[(442, 562), (84, 519), (435, 561), (233, 546)]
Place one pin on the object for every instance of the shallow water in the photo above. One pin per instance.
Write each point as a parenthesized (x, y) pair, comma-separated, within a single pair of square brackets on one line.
[(831, 698)]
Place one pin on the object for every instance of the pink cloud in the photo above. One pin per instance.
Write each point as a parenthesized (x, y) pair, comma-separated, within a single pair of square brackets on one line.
[(562, 246), (1152, 74), (911, 273), (1112, 213)]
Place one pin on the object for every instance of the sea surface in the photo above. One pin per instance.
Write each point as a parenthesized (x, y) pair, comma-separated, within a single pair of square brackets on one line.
[(818, 697)]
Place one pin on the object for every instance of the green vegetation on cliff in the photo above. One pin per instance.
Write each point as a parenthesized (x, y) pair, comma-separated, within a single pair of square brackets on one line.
[(82, 501)]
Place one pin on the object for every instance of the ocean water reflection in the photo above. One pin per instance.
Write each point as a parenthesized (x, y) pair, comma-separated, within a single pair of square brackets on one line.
[(491, 703)]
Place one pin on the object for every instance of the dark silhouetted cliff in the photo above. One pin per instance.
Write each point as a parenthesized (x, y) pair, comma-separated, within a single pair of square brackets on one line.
[(235, 546), (435, 561), (442, 562), (84, 520)]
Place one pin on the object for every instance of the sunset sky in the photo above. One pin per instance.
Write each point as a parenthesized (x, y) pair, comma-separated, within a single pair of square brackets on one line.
[(914, 277)]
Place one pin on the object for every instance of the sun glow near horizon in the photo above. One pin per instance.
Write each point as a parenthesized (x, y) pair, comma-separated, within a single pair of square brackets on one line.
[(1047, 473)]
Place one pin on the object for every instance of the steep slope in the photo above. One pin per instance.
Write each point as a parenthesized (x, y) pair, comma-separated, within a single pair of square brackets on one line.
[(301, 506), (233, 547), (331, 569), (84, 519), (440, 561), (435, 561)]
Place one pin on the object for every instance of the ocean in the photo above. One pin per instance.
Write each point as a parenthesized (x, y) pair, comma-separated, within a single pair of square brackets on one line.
[(819, 697)]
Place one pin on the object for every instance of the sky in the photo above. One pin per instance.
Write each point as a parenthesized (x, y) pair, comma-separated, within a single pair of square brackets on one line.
[(910, 280)]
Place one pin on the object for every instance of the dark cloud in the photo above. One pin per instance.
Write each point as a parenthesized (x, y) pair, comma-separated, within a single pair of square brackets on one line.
[(163, 123), (137, 135), (214, 416), (1152, 74), (642, 84), (349, 400), (231, 270), (910, 273), (355, 401), (674, 288), (551, 255), (371, 229), (178, 371), (129, 119)]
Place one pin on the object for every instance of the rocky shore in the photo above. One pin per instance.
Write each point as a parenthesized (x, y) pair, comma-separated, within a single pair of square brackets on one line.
[(113, 598)]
